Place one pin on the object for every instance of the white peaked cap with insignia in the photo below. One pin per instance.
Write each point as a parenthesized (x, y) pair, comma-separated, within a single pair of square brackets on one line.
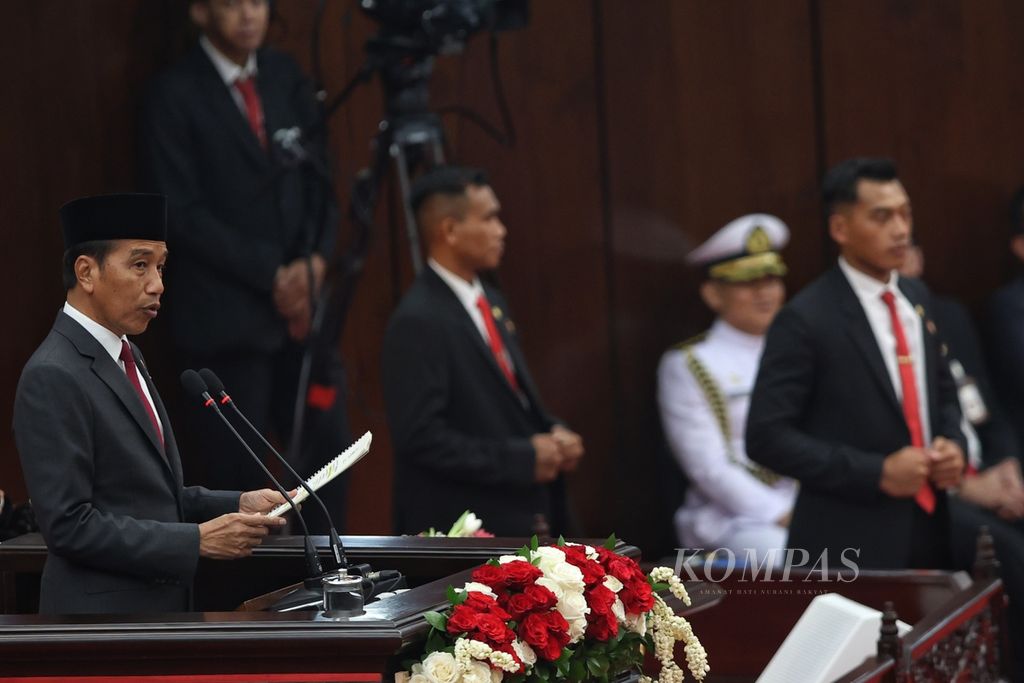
[(745, 249)]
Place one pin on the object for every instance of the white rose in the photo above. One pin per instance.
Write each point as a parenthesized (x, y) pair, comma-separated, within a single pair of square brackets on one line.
[(568, 576), (619, 610), (505, 559), (525, 652), (474, 587), (440, 667), (419, 678), (637, 623), (402, 677), (497, 676), (612, 584), (549, 557), (478, 673)]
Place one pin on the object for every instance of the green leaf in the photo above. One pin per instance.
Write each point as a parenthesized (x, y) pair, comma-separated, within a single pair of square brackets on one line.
[(437, 620), (597, 666), (611, 542), (578, 671), (561, 541), (455, 597), (534, 543)]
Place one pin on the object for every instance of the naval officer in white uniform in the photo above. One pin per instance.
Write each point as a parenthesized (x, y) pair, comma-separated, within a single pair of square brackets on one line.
[(704, 388)]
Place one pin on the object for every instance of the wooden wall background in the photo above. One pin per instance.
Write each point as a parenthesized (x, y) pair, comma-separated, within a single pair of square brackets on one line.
[(642, 128)]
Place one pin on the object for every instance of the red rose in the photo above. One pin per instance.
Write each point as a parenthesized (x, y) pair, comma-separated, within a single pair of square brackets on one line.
[(534, 630), (637, 597), (600, 600), (541, 597), (602, 627), (494, 629), (558, 627), (462, 620), (519, 604), (480, 602), (519, 574), (490, 575)]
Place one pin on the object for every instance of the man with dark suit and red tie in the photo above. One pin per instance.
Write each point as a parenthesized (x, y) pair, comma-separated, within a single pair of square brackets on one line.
[(251, 231), (853, 398), (467, 423), (99, 455)]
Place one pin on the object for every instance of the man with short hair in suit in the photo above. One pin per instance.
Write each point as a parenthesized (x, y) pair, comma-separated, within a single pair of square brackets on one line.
[(100, 459), (852, 397), (467, 424), (251, 232), (1005, 325)]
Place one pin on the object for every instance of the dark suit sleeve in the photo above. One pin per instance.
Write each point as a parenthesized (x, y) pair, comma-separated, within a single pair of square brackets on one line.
[(775, 437), (173, 169), (416, 393), (53, 431), (1006, 332), (201, 504), (322, 225)]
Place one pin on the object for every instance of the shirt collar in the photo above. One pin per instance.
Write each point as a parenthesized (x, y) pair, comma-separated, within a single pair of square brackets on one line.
[(110, 342), (467, 292), (867, 287), (726, 332), (228, 70)]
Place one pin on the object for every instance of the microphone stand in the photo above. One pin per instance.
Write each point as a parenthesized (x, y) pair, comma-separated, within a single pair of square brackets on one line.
[(312, 584), (216, 386)]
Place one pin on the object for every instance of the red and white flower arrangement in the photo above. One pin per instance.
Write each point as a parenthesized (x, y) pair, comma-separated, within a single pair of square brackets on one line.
[(567, 612)]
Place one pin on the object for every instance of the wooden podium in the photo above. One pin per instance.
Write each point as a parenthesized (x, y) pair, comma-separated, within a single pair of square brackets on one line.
[(958, 623), (239, 646)]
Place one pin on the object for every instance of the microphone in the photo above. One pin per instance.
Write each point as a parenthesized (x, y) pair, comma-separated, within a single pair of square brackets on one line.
[(195, 386), (289, 146), (216, 387)]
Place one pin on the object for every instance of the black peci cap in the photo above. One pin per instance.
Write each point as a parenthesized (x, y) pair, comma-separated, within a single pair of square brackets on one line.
[(114, 217)]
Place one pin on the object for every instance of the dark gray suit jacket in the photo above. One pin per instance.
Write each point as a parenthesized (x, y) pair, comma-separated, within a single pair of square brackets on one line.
[(461, 436), (824, 412), (120, 527)]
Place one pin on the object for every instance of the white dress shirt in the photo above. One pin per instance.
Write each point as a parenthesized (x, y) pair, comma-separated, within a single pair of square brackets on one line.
[(869, 292), (111, 343), (229, 71)]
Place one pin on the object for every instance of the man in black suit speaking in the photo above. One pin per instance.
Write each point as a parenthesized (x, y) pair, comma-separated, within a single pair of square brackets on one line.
[(468, 427), (852, 397), (251, 230), (99, 456)]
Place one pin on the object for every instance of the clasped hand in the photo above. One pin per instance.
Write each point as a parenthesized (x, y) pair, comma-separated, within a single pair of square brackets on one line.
[(906, 471), (560, 450)]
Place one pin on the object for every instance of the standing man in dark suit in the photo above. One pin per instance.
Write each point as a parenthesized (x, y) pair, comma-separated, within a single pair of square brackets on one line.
[(97, 449), (852, 397), (467, 424), (1005, 325), (251, 232)]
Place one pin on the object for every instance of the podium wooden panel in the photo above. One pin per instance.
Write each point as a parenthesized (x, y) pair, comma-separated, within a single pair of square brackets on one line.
[(752, 619), (222, 586)]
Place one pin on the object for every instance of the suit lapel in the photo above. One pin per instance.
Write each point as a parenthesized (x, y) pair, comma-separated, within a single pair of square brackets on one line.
[(224, 107), (457, 312), (107, 370), (170, 445), (504, 325), (859, 330)]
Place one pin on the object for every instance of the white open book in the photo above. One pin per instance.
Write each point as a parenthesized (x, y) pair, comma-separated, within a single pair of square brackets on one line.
[(350, 456), (834, 635)]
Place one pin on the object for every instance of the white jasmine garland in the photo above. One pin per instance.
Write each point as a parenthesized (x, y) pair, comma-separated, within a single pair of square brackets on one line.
[(503, 661)]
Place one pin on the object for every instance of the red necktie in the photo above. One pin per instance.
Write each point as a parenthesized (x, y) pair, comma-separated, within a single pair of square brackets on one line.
[(133, 376), (253, 108), (925, 497), (494, 341)]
